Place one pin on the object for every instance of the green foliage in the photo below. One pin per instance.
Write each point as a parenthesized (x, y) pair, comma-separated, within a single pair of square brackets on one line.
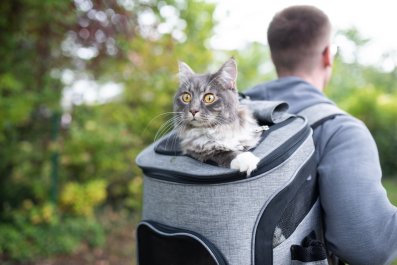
[(368, 93), (81, 199), (378, 110), (253, 63), (55, 175), (29, 94), (24, 241), (391, 187), (133, 201)]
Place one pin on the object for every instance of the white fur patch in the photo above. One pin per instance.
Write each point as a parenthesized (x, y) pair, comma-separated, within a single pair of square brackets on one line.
[(245, 162), (278, 237)]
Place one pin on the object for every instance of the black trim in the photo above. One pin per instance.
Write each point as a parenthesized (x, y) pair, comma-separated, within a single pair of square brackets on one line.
[(272, 160), (321, 121), (298, 208), (270, 218), (169, 146), (276, 126), (186, 178), (284, 151), (242, 96)]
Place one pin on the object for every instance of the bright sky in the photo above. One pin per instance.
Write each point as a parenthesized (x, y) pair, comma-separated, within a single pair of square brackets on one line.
[(242, 21)]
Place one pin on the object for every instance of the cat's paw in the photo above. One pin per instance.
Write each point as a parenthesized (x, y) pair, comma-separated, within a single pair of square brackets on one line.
[(245, 162)]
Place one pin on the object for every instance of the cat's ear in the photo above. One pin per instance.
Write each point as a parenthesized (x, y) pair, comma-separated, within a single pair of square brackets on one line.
[(185, 72), (228, 73)]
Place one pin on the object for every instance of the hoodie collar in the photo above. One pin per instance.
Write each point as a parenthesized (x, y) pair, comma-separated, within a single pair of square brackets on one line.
[(298, 93)]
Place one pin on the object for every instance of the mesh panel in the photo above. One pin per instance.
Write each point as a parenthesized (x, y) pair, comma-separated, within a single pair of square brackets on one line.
[(296, 210)]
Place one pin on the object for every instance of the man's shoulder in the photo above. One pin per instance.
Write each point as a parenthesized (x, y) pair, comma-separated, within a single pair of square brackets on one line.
[(257, 92), (343, 129), (345, 122), (343, 138)]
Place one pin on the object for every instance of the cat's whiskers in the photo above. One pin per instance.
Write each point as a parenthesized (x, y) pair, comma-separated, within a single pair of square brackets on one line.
[(177, 123), (156, 117), (210, 122), (168, 125), (160, 115), (162, 131), (220, 121), (179, 128), (164, 127)]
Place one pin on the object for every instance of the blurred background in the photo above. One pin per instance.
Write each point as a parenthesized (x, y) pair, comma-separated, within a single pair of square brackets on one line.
[(84, 84)]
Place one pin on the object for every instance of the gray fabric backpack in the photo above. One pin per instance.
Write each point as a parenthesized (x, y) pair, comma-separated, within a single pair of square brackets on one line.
[(197, 213)]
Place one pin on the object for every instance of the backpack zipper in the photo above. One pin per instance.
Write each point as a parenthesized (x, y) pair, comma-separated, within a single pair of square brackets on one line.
[(272, 160)]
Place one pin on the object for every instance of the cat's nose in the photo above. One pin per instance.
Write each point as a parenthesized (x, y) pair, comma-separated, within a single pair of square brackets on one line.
[(193, 112)]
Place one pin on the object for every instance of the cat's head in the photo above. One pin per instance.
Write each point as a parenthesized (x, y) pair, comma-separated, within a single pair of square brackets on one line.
[(206, 100)]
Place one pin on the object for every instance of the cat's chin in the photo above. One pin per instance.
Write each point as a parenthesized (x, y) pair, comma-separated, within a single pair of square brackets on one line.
[(198, 124)]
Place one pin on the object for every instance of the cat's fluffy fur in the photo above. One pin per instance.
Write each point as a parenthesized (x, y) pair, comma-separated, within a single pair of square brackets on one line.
[(210, 121)]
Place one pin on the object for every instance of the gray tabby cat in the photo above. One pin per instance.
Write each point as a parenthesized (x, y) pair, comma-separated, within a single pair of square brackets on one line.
[(210, 121)]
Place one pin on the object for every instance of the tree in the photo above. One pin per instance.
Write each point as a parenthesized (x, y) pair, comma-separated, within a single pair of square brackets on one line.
[(47, 46), (31, 37), (367, 92)]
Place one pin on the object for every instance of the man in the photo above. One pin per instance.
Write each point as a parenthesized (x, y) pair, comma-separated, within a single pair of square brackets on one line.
[(360, 224)]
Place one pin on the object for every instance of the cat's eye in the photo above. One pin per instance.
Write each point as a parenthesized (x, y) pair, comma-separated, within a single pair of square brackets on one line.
[(186, 97), (209, 98)]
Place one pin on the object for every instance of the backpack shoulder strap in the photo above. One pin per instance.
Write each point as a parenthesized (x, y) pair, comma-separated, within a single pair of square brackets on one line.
[(319, 113)]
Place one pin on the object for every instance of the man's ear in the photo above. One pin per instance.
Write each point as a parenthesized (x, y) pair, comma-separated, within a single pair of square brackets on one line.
[(327, 56)]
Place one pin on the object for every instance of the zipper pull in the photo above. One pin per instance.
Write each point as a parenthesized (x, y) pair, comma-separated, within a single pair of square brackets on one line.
[(262, 128)]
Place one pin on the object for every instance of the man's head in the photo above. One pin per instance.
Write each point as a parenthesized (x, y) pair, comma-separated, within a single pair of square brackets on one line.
[(299, 40)]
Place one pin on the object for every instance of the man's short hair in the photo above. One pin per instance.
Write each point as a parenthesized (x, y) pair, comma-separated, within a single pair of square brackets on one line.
[(296, 35)]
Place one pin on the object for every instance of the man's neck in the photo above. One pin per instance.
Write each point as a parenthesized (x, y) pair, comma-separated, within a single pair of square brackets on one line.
[(314, 79)]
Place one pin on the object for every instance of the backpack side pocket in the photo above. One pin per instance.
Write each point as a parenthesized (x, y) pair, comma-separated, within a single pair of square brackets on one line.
[(310, 252)]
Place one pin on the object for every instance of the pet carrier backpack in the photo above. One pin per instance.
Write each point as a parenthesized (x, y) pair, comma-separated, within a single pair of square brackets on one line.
[(197, 213)]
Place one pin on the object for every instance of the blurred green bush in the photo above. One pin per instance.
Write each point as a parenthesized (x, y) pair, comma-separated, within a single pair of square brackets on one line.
[(62, 158), (24, 241), (378, 110), (61, 162)]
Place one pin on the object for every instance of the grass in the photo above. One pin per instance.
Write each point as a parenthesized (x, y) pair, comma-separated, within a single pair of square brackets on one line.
[(119, 247), (391, 187)]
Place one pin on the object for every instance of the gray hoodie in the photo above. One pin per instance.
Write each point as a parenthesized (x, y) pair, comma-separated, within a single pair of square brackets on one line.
[(360, 222)]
